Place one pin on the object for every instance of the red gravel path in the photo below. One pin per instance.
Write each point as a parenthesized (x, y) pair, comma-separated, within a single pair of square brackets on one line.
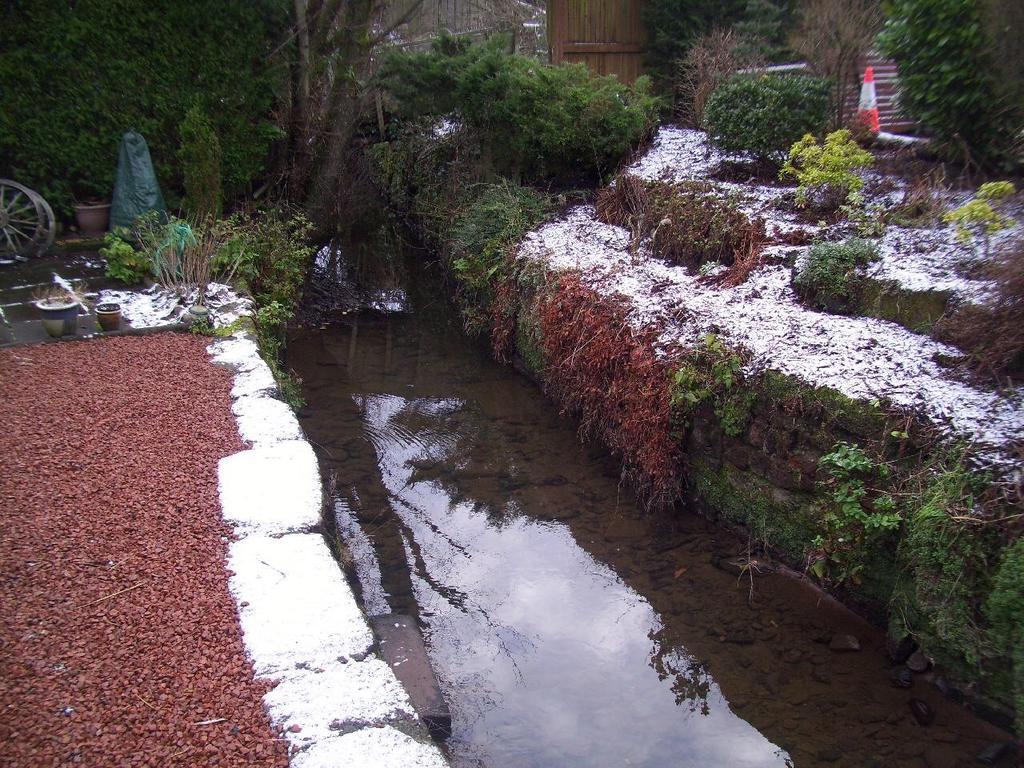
[(117, 630)]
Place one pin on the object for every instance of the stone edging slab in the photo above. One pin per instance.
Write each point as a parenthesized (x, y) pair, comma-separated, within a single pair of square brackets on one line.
[(336, 702)]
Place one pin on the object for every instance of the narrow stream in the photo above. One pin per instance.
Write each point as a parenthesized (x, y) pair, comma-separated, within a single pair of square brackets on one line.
[(567, 627)]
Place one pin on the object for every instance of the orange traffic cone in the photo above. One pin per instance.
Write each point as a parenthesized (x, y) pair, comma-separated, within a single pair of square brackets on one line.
[(868, 108)]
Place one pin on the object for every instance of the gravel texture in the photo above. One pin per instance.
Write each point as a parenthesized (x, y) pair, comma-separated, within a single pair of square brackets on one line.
[(119, 642)]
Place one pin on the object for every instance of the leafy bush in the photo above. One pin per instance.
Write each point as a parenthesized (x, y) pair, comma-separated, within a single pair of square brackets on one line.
[(978, 219), (946, 79), (124, 263), (535, 121), (825, 172), (200, 164), (268, 252), (88, 72), (766, 114), (687, 222), (712, 373), (856, 515), (829, 278), (481, 238)]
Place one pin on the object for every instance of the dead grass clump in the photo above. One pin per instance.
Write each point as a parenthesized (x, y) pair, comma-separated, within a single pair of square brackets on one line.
[(992, 334), (923, 203), (503, 320), (606, 372), (686, 222)]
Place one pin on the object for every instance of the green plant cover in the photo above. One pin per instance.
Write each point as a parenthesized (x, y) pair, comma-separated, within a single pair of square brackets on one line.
[(136, 190)]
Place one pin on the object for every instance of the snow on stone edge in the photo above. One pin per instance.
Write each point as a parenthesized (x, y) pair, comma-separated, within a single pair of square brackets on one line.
[(271, 490), (300, 622)]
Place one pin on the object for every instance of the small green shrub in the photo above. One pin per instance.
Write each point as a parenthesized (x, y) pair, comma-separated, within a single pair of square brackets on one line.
[(825, 172), (978, 219), (829, 279), (856, 515), (124, 263), (200, 158), (481, 238), (766, 114), (271, 321), (535, 121), (688, 223), (712, 373)]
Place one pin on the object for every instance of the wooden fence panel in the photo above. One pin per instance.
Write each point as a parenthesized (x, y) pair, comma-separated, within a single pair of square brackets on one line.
[(607, 35)]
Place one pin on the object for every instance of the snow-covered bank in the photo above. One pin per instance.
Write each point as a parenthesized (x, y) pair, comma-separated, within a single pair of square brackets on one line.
[(861, 357)]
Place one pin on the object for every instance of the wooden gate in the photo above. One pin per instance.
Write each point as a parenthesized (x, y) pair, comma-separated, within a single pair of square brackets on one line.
[(606, 35)]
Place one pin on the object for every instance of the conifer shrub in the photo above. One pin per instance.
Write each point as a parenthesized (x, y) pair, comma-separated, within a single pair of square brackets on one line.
[(536, 121), (766, 114), (200, 158), (826, 172)]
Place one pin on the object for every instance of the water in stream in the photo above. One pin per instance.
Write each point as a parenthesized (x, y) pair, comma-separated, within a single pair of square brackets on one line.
[(567, 627)]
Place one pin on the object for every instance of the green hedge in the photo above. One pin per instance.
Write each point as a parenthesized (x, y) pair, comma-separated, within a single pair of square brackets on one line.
[(947, 76), (79, 74), (766, 114)]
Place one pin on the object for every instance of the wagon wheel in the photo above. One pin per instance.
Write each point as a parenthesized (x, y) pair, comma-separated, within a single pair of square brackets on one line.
[(26, 220)]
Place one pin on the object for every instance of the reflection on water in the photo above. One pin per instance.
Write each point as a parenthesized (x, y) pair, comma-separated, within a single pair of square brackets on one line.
[(568, 628)]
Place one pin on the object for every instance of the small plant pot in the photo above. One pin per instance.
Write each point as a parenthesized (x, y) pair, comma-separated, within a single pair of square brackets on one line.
[(197, 313), (59, 319), (92, 218), (108, 316)]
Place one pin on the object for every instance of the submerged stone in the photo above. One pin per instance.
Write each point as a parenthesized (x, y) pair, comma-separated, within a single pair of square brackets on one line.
[(844, 643)]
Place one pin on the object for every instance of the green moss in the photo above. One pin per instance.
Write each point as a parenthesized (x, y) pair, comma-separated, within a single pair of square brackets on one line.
[(778, 519), (1004, 610), (944, 570), (917, 311), (824, 406)]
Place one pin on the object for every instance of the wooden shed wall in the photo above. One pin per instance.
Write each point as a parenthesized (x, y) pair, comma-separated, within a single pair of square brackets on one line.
[(607, 35)]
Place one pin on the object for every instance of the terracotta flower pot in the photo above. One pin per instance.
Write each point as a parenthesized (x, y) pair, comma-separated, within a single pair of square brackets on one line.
[(109, 316), (59, 318), (92, 218)]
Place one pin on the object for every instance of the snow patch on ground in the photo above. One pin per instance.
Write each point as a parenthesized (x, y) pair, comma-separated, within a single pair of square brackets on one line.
[(345, 695), (264, 420), (916, 259), (335, 701), (861, 357), (296, 606), (157, 306)]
